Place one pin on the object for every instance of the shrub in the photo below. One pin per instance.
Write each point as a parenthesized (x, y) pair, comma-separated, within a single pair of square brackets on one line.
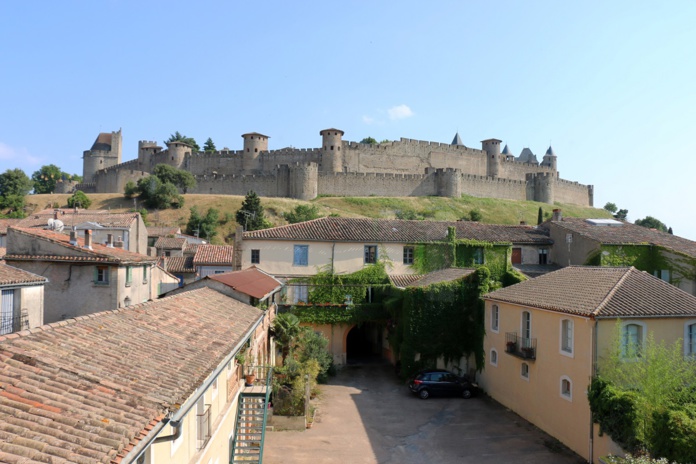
[(672, 436), (79, 199)]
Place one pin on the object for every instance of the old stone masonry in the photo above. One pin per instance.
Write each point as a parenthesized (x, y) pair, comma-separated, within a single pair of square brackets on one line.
[(338, 167)]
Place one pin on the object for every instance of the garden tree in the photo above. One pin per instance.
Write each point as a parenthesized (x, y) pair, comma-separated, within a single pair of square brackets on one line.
[(169, 174), (621, 214), (130, 190), (611, 207), (178, 137), (12, 206), (475, 215), (369, 141), (14, 186), (159, 195), (540, 216), (209, 146), (313, 345), (251, 215), (302, 213), (286, 328), (651, 223), (203, 226), (45, 178), (79, 199)]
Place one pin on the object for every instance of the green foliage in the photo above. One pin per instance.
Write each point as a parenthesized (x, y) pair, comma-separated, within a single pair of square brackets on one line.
[(130, 190), (611, 207), (369, 141), (616, 412), (169, 174), (203, 226), (327, 287), (340, 314), (159, 195), (79, 199), (302, 213), (512, 277), (674, 435), (209, 146), (14, 182), (540, 216), (177, 137), (651, 223), (621, 214), (143, 214), (45, 178), (286, 328), (630, 459), (251, 214), (645, 257), (312, 345), (409, 214), (13, 206), (475, 215)]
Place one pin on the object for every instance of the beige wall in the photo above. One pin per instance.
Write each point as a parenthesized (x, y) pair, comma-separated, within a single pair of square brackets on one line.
[(31, 300), (565, 254)]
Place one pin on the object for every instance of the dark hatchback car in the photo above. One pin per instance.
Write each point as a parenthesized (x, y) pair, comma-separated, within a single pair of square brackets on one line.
[(439, 382)]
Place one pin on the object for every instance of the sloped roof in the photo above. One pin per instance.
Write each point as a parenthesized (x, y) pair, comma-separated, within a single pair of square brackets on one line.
[(399, 231), (213, 255), (527, 156), (162, 231), (103, 142), (610, 292), (86, 389), (180, 264), (3, 252), (550, 152), (457, 140), (71, 218), (626, 234), (403, 280), (170, 243), (11, 275), (252, 281), (442, 275), (98, 253), (5, 223), (506, 150)]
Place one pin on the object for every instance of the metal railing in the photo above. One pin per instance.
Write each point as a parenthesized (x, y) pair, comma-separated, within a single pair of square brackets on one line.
[(203, 427), (521, 347), (13, 324)]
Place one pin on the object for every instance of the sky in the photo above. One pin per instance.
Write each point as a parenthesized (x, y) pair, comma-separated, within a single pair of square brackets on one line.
[(610, 85)]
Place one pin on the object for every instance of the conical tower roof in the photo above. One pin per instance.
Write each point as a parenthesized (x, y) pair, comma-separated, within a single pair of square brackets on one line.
[(457, 140), (550, 152), (506, 150)]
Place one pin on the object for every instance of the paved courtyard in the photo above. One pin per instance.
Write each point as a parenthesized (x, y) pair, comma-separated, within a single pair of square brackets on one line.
[(367, 416)]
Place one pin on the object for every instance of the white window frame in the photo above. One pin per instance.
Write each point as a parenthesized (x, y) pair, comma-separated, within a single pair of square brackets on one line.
[(643, 333), (690, 348), (494, 357), (408, 253), (526, 332), (570, 353), (566, 396), (495, 318), (523, 371)]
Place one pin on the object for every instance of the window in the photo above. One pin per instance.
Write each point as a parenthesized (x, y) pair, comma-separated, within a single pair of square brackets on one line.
[(408, 255), (524, 371), (167, 253), (299, 294), (255, 256), (101, 275), (495, 318), (370, 254), (663, 274), (566, 388), (478, 256), (566, 336), (543, 256), (632, 339), (494, 357), (690, 339), (7, 312), (526, 328), (129, 276), (144, 274), (300, 255)]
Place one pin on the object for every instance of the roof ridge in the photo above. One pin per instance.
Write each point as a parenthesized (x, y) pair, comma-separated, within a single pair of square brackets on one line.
[(613, 290)]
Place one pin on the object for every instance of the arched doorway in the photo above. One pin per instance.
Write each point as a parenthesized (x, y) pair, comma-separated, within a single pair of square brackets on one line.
[(364, 344)]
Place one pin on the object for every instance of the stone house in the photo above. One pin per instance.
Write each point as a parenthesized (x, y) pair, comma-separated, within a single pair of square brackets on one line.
[(4, 224), (181, 267), (608, 242), (213, 259), (155, 382), (21, 299), (545, 337), (128, 228), (155, 232), (83, 275), (170, 246)]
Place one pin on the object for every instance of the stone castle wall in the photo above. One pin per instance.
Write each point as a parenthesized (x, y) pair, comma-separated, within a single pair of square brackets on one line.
[(574, 193), (114, 179)]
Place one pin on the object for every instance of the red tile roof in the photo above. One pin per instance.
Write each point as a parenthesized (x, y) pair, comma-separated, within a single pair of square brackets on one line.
[(5, 223), (98, 253), (399, 231), (11, 275), (213, 255), (170, 243), (252, 281), (180, 264), (86, 389), (601, 292), (162, 231), (70, 218)]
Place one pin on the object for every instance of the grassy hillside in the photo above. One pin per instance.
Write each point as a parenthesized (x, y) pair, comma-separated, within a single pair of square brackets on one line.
[(494, 211)]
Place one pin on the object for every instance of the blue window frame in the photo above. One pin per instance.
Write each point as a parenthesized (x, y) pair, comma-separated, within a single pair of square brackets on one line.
[(300, 255)]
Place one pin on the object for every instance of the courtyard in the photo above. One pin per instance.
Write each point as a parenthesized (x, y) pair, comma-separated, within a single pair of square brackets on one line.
[(366, 415)]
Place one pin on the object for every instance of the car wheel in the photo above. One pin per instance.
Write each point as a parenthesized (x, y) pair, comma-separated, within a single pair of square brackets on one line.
[(424, 394), (466, 393)]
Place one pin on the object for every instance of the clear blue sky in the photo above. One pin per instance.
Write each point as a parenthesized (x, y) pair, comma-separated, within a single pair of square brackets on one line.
[(611, 85)]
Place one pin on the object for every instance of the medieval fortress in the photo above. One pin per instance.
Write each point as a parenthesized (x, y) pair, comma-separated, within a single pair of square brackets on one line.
[(395, 169)]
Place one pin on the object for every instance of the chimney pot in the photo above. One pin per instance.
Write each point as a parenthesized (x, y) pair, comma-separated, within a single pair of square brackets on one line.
[(110, 240), (73, 238), (557, 216), (88, 239)]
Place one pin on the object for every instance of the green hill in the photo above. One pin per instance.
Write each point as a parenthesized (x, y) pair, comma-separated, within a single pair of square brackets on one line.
[(493, 211)]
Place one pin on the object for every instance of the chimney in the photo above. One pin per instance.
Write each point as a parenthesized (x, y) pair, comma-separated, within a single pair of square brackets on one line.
[(118, 243), (55, 214), (110, 240), (73, 238), (557, 216), (164, 263), (88, 239)]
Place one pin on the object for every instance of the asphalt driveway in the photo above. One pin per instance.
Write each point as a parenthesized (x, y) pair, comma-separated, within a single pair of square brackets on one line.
[(367, 416)]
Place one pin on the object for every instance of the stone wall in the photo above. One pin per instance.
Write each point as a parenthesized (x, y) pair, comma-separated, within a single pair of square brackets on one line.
[(480, 186), (114, 179), (573, 193)]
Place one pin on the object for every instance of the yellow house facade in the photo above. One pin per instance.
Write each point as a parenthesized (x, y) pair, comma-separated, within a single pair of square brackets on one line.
[(546, 336)]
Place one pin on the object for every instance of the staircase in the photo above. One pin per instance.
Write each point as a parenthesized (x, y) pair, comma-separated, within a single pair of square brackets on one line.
[(252, 413)]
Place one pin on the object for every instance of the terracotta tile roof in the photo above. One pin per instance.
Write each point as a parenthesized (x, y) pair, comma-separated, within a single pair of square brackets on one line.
[(70, 218), (98, 253), (602, 292), (625, 234), (180, 264), (84, 390), (400, 231), (252, 281), (162, 231), (443, 275), (11, 275), (213, 254), (5, 223), (103, 142), (403, 280), (170, 243)]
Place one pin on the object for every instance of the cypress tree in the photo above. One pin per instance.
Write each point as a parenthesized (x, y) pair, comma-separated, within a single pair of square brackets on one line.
[(540, 216)]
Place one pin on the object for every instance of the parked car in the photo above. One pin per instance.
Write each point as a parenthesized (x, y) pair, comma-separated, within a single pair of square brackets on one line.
[(439, 382)]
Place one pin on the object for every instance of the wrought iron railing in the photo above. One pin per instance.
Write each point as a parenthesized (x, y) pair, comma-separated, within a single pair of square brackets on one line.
[(521, 347), (203, 427), (13, 324)]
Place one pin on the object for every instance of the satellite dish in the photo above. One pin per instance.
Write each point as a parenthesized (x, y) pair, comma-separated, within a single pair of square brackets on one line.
[(58, 225), (50, 223)]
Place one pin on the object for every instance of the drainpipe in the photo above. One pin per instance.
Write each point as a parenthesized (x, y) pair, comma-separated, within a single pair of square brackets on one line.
[(176, 425), (594, 374), (333, 255)]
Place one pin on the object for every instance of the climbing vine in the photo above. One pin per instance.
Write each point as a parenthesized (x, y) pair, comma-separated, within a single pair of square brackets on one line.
[(340, 314)]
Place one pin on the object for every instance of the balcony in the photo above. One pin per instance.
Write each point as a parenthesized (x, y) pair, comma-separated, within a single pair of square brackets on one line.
[(203, 427), (13, 324), (520, 347)]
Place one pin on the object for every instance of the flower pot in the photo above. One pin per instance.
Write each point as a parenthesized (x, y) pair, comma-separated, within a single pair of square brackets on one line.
[(249, 379)]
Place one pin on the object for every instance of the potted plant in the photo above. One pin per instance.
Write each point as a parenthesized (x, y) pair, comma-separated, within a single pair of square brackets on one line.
[(528, 352), (511, 347), (249, 375)]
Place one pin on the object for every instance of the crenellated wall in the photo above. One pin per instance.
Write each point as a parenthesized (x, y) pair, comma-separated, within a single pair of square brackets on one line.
[(114, 179)]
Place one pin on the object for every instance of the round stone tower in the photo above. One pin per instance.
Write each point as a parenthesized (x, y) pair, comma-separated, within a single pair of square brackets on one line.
[(549, 159), (105, 152), (492, 149), (146, 149), (176, 153), (331, 155), (304, 181), (254, 144)]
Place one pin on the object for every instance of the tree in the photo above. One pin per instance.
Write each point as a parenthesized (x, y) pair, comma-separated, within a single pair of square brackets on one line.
[(15, 182), (203, 226), (286, 328), (385, 141), (251, 214), (178, 137), (130, 190), (670, 231), (209, 146), (475, 215), (651, 223), (621, 214), (540, 216), (180, 178), (79, 199), (157, 194), (302, 213), (369, 141), (45, 178), (611, 207)]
